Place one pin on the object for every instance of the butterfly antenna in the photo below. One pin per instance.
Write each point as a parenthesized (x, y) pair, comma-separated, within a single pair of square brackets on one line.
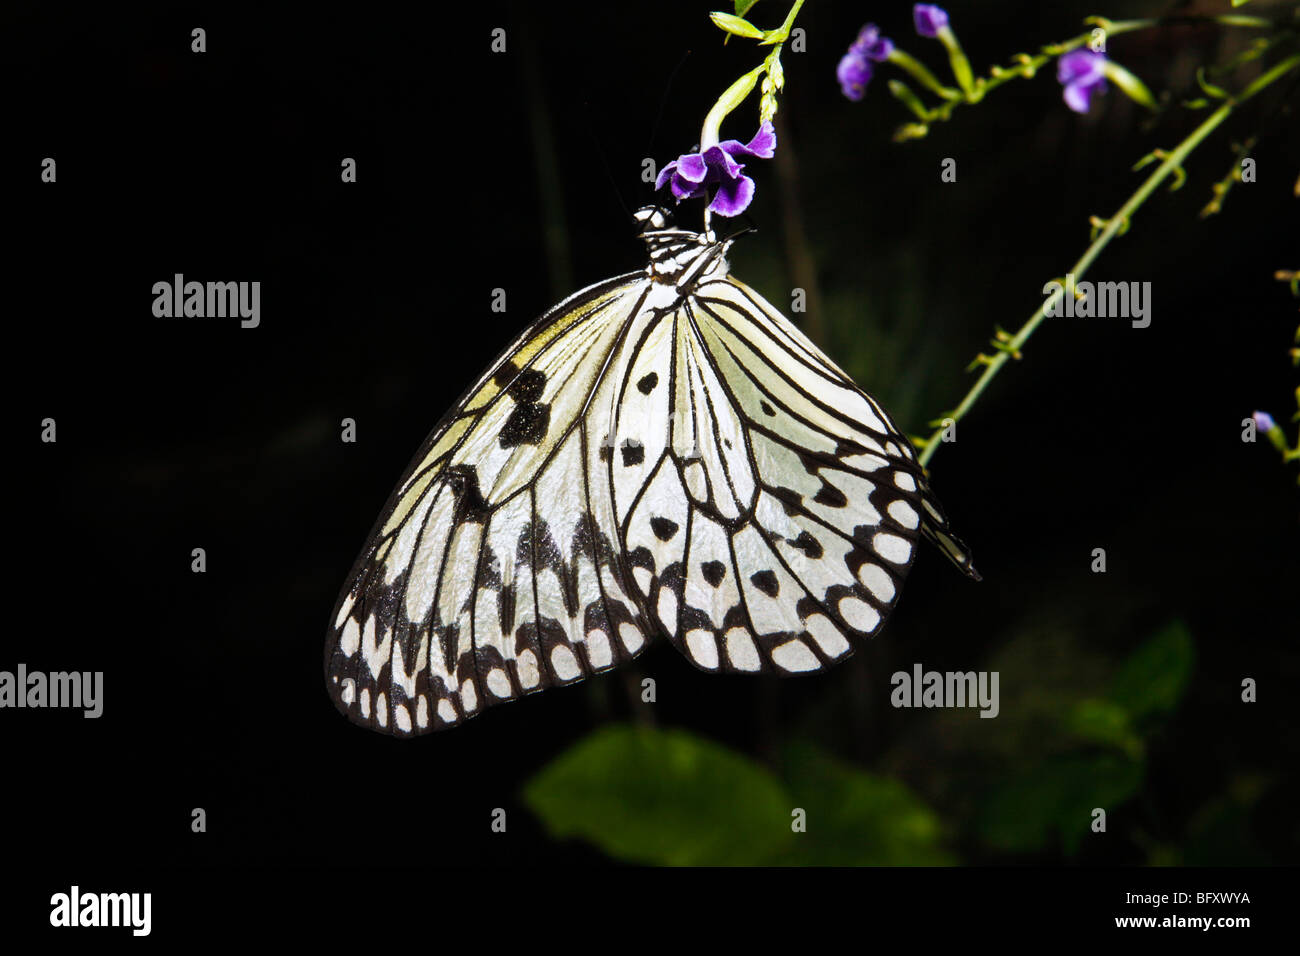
[(604, 162), (741, 232), (663, 100)]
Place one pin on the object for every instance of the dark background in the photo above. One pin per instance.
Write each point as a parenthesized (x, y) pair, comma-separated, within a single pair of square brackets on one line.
[(517, 171)]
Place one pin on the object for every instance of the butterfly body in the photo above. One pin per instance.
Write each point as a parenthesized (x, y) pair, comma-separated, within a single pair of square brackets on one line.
[(661, 453)]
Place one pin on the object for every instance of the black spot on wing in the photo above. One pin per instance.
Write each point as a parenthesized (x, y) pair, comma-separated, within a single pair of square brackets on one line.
[(664, 528), (527, 386), (505, 374), (647, 384), (526, 425), (828, 494), (506, 606), (767, 409), (463, 482), (714, 572), (549, 556), (633, 454), (808, 545), (450, 641), (641, 558), (530, 417), (790, 500), (766, 582), (407, 641)]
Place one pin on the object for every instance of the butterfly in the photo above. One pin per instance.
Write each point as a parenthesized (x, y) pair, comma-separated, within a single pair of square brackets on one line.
[(662, 452)]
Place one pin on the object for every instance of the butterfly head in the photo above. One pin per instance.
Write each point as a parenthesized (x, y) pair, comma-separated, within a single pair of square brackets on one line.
[(680, 257)]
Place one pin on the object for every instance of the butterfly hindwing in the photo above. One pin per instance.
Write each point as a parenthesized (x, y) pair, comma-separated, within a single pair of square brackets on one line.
[(803, 500)]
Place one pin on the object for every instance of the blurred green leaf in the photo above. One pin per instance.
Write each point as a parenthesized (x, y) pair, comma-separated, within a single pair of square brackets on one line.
[(1154, 677), (1097, 721), (1058, 796), (663, 797), (856, 818), (742, 6)]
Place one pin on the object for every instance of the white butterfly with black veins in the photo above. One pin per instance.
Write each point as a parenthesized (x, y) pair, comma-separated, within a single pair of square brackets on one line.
[(661, 452)]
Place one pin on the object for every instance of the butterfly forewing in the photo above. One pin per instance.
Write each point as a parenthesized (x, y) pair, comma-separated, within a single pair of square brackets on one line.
[(495, 569)]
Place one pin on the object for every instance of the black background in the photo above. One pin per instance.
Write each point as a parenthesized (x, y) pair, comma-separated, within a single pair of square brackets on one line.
[(479, 171)]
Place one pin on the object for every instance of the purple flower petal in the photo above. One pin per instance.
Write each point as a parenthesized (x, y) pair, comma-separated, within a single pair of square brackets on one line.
[(1264, 421), (721, 165), (695, 174), (1083, 73), (854, 73), (763, 145), (685, 189), (1080, 65), (1078, 97), (665, 174), (733, 197), (871, 44), (854, 70), (929, 19), (692, 167)]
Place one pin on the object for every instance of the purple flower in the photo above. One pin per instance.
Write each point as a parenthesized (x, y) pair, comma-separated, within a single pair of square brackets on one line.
[(693, 174), (929, 19), (871, 44), (1082, 72), (1264, 421), (854, 73), (855, 70)]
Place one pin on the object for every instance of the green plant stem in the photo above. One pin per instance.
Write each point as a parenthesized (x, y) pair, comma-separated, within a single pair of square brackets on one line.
[(1172, 162), (1027, 66), (736, 93), (921, 73)]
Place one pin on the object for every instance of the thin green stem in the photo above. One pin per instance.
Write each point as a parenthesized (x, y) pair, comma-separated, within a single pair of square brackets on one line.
[(961, 70), (1027, 66), (728, 101), (1173, 161), (922, 74), (736, 93)]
